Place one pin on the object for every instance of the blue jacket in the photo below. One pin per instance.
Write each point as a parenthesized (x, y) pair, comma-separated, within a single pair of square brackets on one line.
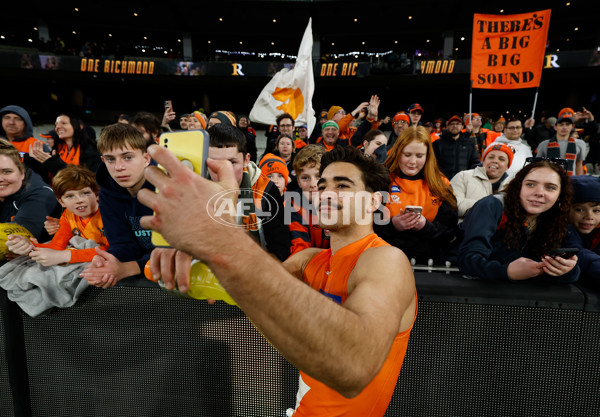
[(483, 252), (589, 255), (121, 215), (30, 205)]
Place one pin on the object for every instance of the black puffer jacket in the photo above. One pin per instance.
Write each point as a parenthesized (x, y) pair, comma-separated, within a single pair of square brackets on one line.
[(455, 155)]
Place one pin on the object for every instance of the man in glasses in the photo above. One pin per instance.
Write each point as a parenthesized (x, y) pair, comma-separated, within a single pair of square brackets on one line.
[(562, 145), (400, 121), (511, 136), (285, 126), (472, 122)]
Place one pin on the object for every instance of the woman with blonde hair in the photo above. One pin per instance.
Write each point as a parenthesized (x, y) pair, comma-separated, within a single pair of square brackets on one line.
[(422, 207)]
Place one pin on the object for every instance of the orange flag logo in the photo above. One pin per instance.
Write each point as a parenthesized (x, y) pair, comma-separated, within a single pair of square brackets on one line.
[(292, 99)]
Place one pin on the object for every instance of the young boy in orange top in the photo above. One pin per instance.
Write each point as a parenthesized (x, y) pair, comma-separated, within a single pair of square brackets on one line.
[(77, 191), (304, 223), (353, 347)]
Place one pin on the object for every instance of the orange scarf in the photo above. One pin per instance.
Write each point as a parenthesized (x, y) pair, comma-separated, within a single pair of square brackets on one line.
[(69, 156)]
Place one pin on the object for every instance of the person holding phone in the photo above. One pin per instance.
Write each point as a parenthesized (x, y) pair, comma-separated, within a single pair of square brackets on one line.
[(425, 232), (510, 236)]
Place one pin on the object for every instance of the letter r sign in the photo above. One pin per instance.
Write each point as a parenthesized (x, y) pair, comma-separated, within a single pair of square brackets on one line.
[(237, 69)]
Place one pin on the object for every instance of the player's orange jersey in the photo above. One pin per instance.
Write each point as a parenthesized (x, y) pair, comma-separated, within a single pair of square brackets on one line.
[(329, 275)]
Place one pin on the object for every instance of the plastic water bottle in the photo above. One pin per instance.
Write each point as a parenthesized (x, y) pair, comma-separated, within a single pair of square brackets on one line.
[(203, 284)]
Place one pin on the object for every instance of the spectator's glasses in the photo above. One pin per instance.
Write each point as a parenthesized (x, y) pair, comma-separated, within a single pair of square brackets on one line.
[(559, 161), (401, 122)]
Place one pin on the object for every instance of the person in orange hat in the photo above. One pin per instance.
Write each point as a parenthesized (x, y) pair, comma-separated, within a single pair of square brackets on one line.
[(221, 116), (472, 185), (496, 132), (344, 120), (478, 134), (196, 120), (276, 170), (400, 122), (563, 145)]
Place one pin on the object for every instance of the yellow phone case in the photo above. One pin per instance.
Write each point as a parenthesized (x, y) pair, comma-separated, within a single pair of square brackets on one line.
[(191, 148)]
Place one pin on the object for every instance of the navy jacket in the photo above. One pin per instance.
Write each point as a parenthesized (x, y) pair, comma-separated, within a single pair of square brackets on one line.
[(588, 256), (483, 252), (30, 205), (121, 215), (455, 155)]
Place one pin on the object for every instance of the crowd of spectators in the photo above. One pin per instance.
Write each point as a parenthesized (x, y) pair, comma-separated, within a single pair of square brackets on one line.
[(444, 168), (440, 174), (495, 202)]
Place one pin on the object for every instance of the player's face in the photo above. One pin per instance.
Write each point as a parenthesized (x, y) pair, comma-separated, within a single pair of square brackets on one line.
[(343, 200), (83, 203), (585, 216)]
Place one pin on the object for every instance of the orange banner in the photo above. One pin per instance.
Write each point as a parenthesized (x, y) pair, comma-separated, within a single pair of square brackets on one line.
[(508, 50)]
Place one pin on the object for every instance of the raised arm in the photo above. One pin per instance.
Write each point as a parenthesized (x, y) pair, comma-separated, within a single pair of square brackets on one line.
[(343, 346)]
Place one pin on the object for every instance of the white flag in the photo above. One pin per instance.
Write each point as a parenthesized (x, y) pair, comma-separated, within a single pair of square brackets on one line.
[(290, 91)]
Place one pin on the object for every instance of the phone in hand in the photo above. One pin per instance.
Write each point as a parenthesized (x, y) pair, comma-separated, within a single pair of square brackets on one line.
[(191, 148), (413, 209), (168, 105), (565, 253)]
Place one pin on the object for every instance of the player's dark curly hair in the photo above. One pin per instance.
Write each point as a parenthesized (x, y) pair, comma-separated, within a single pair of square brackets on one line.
[(551, 225)]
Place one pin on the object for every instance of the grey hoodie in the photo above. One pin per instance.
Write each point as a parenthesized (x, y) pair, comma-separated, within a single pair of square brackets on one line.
[(22, 113)]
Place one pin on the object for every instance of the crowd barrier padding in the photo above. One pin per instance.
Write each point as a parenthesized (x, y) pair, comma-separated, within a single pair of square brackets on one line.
[(477, 348)]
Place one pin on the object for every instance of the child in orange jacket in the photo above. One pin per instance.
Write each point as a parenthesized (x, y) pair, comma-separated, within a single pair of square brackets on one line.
[(77, 191)]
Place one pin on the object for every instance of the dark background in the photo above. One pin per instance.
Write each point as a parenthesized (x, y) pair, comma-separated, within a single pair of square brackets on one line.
[(405, 29)]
